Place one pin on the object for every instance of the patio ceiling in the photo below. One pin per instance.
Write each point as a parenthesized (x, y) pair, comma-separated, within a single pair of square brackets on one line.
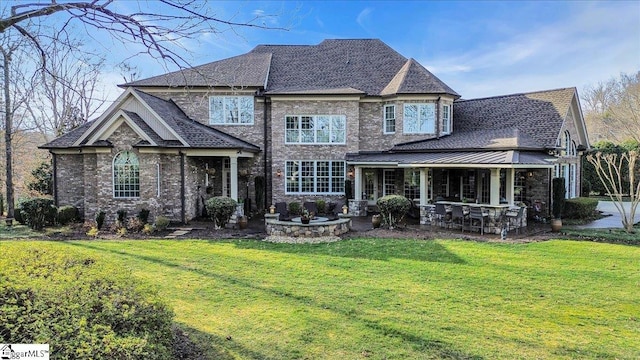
[(457, 159)]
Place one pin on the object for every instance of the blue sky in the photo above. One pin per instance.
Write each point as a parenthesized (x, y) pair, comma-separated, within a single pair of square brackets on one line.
[(479, 48)]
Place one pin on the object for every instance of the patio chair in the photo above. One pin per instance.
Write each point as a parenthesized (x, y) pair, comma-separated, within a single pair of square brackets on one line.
[(440, 215), (458, 215), (281, 208), (516, 216), (311, 207), (478, 214)]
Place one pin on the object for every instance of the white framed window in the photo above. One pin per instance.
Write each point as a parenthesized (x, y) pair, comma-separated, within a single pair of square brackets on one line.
[(388, 182), (126, 175), (567, 143), (419, 118), (314, 177), (231, 110), (315, 129), (389, 119), (412, 184), (446, 119)]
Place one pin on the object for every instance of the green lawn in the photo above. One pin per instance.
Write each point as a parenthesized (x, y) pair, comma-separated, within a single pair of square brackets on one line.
[(392, 299)]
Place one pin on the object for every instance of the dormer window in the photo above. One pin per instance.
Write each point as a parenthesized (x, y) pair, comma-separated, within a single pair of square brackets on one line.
[(419, 118), (446, 119)]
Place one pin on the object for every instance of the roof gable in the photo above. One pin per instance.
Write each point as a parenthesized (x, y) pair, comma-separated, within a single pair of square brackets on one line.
[(414, 78)]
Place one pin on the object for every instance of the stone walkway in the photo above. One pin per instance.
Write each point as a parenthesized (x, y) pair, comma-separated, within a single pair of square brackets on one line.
[(178, 232)]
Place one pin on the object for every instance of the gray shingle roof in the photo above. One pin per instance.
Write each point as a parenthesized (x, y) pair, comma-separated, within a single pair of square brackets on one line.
[(356, 65), (67, 140), (244, 70), (520, 121)]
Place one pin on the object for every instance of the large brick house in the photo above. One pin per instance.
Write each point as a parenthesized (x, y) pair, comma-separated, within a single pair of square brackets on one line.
[(305, 118)]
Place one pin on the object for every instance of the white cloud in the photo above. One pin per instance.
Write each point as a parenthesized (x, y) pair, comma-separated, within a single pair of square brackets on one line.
[(363, 17)]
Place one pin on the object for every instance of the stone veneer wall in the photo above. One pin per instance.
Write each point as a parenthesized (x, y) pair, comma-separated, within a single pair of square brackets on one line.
[(70, 181), (282, 152)]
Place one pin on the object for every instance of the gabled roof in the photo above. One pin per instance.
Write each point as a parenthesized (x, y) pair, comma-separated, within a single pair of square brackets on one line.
[(247, 70), (194, 134), (528, 121), (338, 66)]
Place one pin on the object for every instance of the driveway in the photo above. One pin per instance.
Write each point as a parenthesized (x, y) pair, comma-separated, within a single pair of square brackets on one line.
[(613, 221)]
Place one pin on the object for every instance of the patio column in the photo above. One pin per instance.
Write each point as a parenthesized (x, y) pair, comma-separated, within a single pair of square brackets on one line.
[(424, 185), (510, 183), (495, 187), (358, 183), (233, 170)]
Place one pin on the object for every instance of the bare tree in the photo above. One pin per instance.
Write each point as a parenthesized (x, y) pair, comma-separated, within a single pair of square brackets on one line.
[(609, 168), (159, 27), (612, 109), (66, 95)]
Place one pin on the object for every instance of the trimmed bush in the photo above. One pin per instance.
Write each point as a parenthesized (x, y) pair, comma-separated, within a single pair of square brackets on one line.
[(100, 216), (393, 208), (143, 215), (67, 214), (580, 208), (295, 208), (122, 216), (17, 214), (162, 222), (220, 208), (322, 206), (38, 212), (82, 306)]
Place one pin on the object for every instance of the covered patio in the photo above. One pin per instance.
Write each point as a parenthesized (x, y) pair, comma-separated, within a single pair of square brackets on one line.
[(497, 182)]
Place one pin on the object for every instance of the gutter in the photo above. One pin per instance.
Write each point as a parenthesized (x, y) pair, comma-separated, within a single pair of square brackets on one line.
[(182, 189), (55, 178)]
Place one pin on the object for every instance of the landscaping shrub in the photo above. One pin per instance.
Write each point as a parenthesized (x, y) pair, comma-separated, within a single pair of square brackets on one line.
[(162, 222), (100, 219), (393, 208), (220, 208), (17, 213), (580, 208), (135, 224), (122, 216), (322, 206), (295, 208), (38, 212), (143, 215), (82, 306), (67, 214)]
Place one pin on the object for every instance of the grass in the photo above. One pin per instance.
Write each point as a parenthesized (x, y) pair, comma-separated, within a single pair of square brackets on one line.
[(392, 299)]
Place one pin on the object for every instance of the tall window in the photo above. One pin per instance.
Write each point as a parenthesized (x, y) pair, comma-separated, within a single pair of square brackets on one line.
[(389, 182), (389, 119), (126, 175), (446, 119), (231, 110), (419, 118), (412, 184), (315, 129), (314, 177)]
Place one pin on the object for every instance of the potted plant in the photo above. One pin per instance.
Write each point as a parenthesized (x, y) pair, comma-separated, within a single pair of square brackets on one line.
[(559, 192), (306, 216)]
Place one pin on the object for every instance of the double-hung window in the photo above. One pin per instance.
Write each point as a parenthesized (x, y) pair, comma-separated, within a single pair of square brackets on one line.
[(126, 175), (389, 119), (419, 118), (446, 119), (314, 177), (231, 110), (315, 129)]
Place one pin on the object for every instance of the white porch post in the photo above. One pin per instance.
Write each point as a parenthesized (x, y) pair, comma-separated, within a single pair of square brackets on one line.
[(358, 183), (495, 187), (510, 184), (424, 185), (233, 169)]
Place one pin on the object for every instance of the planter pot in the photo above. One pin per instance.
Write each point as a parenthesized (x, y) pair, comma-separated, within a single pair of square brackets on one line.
[(376, 220), (8, 222), (242, 222), (305, 220), (556, 225)]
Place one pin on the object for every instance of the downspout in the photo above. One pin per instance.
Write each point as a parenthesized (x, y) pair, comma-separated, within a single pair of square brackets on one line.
[(549, 192), (265, 144), (438, 121), (182, 189), (54, 178)]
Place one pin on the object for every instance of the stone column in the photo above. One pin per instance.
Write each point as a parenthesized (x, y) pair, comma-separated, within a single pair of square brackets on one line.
[(358, 183), (424, 185)]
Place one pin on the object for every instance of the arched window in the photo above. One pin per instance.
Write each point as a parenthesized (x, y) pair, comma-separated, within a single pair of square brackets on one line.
[(126, 175), (567, 142)]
